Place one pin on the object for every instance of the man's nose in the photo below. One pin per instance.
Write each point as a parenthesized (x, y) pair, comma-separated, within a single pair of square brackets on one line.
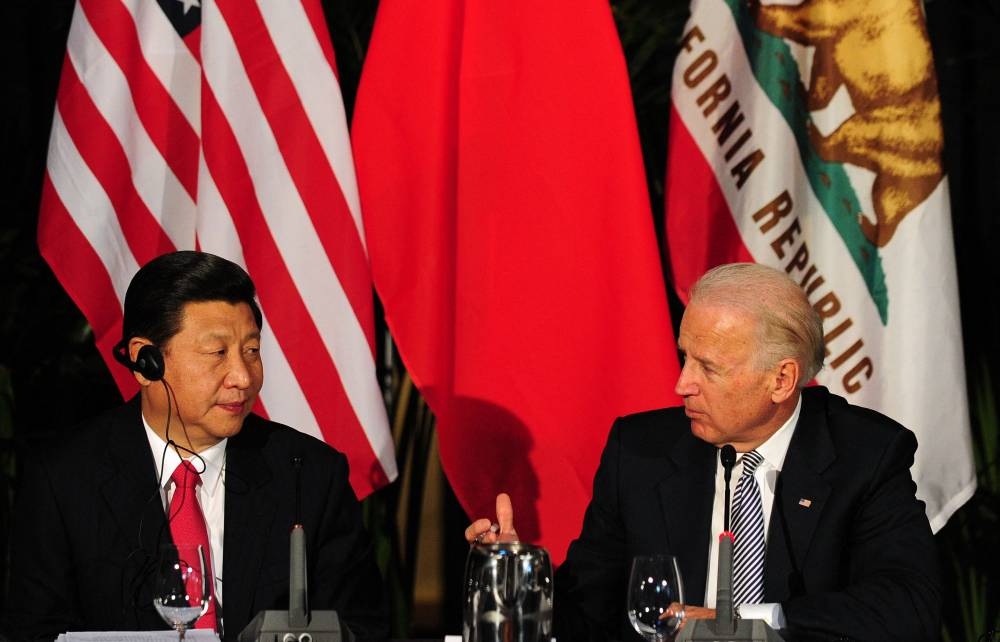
[(239, 373), (685, 386)]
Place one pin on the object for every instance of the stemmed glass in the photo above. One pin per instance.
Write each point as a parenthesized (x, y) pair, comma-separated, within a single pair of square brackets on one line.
[(653, 584), (183, 586)]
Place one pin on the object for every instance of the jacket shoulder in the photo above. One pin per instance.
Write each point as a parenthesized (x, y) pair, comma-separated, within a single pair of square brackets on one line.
[(857, 433), (652, 430), (279, 440), (87, 439)]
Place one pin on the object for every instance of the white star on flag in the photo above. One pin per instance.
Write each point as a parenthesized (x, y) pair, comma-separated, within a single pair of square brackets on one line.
[(190, 3)]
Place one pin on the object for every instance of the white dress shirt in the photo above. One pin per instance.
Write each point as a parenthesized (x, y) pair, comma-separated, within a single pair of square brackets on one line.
[(211, 493), (773, 451)]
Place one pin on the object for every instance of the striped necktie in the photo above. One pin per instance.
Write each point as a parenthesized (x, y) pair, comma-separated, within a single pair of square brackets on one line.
[(748, 529)]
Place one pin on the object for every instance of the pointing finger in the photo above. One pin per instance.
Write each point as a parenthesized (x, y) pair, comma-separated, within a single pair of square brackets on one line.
[(505, 515)]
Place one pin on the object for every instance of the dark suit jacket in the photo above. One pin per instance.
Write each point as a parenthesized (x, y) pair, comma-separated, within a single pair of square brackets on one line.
[(89, 520), (858, 563)]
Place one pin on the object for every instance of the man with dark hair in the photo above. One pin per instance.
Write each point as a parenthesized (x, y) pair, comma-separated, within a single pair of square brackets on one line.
[(157, 293), (831, 542), (93, 511)]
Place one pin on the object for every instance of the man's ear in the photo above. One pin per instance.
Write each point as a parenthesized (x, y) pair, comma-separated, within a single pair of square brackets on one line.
[(786, 380), (146, 369)]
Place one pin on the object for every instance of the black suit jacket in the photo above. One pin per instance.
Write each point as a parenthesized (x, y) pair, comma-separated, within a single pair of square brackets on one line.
[(89, 520), (858, 563)]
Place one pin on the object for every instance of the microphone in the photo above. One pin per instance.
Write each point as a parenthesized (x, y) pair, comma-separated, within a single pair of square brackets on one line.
[(728, 459), (726, 627), (297, 624)]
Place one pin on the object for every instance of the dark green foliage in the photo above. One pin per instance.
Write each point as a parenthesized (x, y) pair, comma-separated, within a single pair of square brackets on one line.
[(969, 541), (649, 33)]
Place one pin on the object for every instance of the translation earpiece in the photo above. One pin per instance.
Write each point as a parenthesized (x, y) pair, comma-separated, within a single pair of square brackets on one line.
[(148, 363)]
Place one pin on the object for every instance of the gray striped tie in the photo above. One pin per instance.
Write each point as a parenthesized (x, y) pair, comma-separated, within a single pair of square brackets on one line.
[(748, 529)]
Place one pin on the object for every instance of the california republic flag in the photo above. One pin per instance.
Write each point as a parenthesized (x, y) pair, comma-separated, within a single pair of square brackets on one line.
[(807, 136)]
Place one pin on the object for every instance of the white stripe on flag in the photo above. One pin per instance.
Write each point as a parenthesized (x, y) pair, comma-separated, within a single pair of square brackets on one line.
[(295, 235), (216, 232), (89, 206), (108, 87), (282, 396), (319, 92), (168, 57)]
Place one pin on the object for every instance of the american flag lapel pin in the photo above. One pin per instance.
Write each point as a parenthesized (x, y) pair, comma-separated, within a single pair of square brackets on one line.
[(805, 503)]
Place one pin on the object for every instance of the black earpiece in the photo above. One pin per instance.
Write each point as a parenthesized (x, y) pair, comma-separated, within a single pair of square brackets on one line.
[(148, 363)]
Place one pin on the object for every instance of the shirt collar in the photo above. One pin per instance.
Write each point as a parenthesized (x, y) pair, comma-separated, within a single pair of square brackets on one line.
[(776, 447), (167, 460)]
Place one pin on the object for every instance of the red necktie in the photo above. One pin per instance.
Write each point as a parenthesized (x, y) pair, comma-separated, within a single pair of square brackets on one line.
[(187, 526)]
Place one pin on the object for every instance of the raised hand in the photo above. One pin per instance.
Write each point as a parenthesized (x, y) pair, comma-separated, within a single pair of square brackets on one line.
[(485, 531)]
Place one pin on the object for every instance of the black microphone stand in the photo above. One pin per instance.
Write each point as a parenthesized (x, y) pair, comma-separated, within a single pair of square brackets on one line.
[(298, 623), (726, 627)]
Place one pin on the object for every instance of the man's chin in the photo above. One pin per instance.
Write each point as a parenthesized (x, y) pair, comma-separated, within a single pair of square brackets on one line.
[(702, 432), (230, 427)]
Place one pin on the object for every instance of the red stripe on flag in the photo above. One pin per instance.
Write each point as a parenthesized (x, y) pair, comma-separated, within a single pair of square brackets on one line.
[(701, 232), (106, 159), (84, 277), (304, 156), (290, 321), (193, 42), (163, 121), (314, 12)]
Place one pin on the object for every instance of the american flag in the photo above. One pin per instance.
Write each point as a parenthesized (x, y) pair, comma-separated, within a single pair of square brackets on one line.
[(219, 125)]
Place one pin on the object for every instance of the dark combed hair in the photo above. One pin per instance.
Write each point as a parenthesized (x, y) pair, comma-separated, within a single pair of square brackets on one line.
[(159, 291)]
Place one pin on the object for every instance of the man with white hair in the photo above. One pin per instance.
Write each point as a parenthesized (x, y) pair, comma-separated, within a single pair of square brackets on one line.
[(843, 547)]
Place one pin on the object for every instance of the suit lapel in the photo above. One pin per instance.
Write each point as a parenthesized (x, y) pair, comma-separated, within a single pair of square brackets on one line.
[(800, 498), (250, 506), (128, 487), (686, 495), (129, 473)]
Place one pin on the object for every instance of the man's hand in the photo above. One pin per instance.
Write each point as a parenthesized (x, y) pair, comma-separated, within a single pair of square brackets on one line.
[(688, 613), (698, 613), (484, 531)]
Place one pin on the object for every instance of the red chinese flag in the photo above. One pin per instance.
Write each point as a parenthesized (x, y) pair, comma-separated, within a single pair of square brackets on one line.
[(512, 243)]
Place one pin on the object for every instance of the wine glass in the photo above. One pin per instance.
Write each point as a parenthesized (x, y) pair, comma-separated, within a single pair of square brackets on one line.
[(653, 584), (183, 590)]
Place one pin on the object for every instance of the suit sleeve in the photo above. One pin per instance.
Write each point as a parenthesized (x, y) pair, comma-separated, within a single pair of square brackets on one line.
[(891, 590), (347, 578), (590, 585)]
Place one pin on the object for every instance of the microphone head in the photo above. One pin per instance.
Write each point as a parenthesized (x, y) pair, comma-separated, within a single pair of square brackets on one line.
[(728, 457)]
